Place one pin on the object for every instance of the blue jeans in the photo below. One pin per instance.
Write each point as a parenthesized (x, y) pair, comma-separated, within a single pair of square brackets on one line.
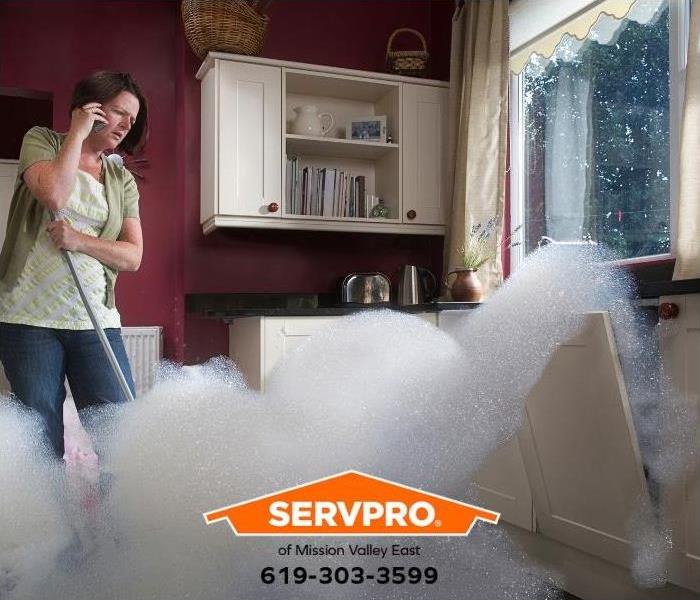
[(38, 359)]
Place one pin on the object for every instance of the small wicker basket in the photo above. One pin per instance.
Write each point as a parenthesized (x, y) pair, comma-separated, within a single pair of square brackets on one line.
[(223, 25), (407, 62)]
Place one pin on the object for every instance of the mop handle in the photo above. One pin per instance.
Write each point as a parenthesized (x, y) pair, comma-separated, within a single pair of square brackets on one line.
[(98, 328)]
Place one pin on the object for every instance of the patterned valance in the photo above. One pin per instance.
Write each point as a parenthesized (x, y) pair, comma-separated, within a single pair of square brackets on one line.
[(538, 27)]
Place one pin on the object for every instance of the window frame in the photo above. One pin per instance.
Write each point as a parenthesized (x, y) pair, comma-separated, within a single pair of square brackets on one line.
[(678, 52)]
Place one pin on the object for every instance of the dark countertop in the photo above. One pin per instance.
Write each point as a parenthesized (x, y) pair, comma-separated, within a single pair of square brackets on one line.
[(231, 306), (654, 289)]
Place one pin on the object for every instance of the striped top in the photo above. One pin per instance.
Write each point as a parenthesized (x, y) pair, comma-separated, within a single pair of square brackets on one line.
[(45, 294)]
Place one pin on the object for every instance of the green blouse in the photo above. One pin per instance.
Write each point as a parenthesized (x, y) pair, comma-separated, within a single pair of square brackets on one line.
[(26, 212)]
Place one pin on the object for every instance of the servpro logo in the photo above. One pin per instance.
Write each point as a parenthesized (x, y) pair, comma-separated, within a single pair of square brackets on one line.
[(351, 503)]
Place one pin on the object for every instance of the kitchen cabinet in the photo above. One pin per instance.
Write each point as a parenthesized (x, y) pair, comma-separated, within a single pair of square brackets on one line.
[(567, 484), (8, 174), (576, 462), (241, 141), (259, 344), (680, 345), (574, 471), (249, 142)]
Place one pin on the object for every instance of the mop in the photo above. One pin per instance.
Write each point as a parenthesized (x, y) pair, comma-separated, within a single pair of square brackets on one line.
[(82, 464)]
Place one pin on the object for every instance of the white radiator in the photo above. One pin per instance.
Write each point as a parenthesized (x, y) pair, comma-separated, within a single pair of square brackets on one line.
[(144, 347)]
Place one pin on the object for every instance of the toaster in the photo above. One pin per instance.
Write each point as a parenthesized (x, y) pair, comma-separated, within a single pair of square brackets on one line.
[(365, 288)]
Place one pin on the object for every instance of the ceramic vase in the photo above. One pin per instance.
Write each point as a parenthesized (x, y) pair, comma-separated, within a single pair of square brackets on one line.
[(466, 286)]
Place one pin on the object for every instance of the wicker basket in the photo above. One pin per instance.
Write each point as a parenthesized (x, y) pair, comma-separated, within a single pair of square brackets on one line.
[(223, 25), (407, 62)]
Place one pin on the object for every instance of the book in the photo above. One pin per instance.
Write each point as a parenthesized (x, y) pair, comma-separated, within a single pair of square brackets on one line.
[(362, 207), (324, 191), (304, 191), (328, 183)]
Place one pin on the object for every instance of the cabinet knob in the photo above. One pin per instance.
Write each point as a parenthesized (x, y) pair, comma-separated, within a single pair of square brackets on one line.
[(411, 214), (273, 207), (668, 310)]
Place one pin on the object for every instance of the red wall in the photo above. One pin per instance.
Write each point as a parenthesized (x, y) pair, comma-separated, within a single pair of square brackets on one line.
[(50, 45)]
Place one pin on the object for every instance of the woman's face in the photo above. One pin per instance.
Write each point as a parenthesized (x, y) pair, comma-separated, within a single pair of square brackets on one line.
[(121, 112)]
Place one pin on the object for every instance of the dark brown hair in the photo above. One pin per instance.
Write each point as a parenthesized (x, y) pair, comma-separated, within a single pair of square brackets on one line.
[(102, 87)]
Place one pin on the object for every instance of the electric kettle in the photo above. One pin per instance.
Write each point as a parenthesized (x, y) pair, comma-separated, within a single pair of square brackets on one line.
[(416, 285)]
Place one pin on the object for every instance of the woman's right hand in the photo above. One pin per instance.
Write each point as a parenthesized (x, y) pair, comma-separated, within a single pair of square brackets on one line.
[(84, 117)]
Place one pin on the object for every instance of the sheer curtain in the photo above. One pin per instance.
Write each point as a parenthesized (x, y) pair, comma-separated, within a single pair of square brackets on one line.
[(478, 115), (567, 164)]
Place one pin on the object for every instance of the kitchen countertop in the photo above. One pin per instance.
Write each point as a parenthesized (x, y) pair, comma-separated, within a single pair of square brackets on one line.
[(231, 306), (654, 289)]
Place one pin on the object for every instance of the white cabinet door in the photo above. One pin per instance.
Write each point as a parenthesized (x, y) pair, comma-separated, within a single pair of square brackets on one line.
[(680, 344), (431, 318), (502, 481), (258, 344), (284, 334), (424, 144), (8, 173), (580, 446), (503, 486), (250, 139)]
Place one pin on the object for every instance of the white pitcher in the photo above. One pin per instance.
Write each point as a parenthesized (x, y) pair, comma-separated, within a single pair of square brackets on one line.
[(310, 122)]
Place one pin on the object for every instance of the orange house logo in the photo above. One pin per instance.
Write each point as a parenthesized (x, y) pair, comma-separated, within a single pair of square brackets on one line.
[(351, 503)]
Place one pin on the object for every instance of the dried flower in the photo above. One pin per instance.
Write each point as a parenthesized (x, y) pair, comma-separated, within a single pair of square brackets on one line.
[(477, 250)]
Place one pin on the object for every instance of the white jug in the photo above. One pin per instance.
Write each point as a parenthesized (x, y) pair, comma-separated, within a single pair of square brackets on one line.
[(310, 122)]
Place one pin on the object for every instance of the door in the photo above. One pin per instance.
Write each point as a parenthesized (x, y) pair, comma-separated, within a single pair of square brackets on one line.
[(424, 146), (580, 446), (680, 345), (250, 139)]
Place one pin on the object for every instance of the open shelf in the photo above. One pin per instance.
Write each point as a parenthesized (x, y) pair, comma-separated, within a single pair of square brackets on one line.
[(331, 85), (375, 164), (337, 147)]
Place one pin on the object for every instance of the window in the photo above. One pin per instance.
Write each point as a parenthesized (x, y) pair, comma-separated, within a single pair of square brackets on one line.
[(595, 136)]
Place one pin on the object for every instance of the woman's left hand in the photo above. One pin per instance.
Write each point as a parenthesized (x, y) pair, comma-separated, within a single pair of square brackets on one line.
[(64, 236)]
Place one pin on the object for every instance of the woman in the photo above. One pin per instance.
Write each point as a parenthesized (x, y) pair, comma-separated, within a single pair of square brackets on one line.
[(45, 331)]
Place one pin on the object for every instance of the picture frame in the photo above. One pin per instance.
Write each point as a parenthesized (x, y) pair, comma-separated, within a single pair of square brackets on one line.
[(369, 129)]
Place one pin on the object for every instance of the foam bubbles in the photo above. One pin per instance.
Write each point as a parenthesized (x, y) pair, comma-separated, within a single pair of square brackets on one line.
[(381, 392), (33, 523)]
